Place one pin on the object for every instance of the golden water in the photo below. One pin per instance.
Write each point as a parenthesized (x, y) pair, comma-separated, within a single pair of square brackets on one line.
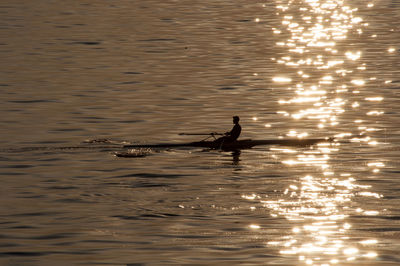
[(144, 71)]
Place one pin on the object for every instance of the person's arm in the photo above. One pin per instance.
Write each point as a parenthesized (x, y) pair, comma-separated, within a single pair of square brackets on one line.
[(228, 133)]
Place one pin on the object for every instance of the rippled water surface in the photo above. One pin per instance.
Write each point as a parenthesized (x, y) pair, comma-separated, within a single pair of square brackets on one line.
[(144, 71)]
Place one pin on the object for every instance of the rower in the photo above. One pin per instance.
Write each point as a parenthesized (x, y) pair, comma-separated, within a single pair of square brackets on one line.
[(232, 135)]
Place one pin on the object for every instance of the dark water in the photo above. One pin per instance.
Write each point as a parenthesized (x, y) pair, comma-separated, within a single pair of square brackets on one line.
[(144, 71)]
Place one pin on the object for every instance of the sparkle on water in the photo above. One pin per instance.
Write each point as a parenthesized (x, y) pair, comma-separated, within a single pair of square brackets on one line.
[(319, 206)]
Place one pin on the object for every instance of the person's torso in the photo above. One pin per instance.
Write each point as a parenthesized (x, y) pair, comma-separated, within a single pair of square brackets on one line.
[(235, 132)]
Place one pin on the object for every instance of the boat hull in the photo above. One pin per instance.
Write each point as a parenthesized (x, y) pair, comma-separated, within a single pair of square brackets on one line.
[(236, 145)]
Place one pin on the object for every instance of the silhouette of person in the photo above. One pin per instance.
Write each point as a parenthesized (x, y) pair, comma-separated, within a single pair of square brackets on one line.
[(232, 135)]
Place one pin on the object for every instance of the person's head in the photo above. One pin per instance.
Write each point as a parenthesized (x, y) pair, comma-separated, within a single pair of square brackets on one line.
[(236, 119)]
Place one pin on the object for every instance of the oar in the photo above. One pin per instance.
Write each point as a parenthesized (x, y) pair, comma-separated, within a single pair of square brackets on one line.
[(200, 134)]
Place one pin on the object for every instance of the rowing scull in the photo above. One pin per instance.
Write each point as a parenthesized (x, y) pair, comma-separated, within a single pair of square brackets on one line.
[(236, 145)]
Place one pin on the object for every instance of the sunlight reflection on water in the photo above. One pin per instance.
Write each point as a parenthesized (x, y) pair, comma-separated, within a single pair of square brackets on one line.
[(319, 205)]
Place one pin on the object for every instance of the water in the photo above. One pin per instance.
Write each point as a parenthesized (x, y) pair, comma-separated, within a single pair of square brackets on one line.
[(144, 71)]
